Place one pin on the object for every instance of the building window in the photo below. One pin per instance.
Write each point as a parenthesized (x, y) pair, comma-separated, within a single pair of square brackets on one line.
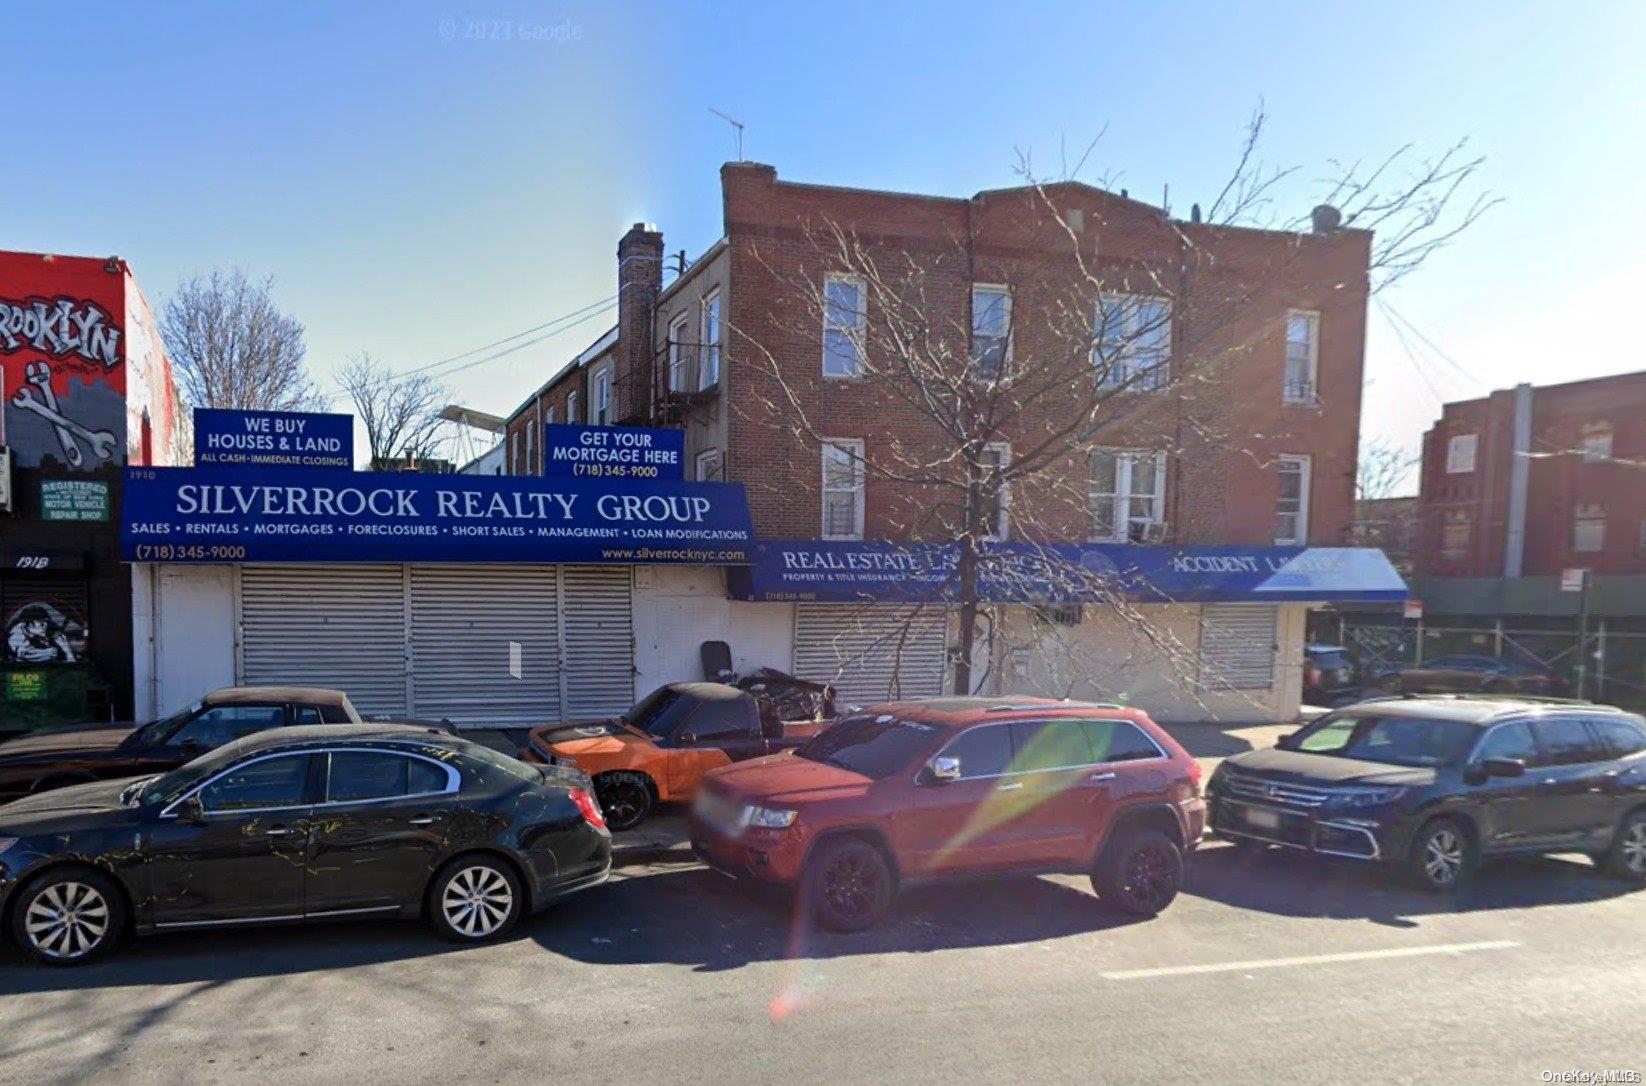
[(991, 331), (602, 400), (1596, 443), (548, 419), (1302, 356), (996, 493), (711, 466), (1292, 502), (843, 478), (845, 317), (515, 462), (1457, 529), (679, 352), (1134, 341), (531, 449), (1589, 529), (1128, 495), (573, 408), (708, 369), (1460, 453)]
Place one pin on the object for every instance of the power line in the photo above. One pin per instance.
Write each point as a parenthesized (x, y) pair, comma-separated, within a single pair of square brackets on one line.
[(1411, 356), (1433, 347), (583, 312)]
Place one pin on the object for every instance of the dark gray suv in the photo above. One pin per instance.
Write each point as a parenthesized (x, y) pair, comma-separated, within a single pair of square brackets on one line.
[(1434, 784)]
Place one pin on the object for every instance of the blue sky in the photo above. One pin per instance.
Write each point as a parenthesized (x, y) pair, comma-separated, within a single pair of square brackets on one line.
[(423, 179)]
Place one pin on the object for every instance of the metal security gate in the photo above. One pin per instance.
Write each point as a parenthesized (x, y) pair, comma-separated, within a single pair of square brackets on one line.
[(872, 652), (1238, 642), (339, 626), (477, 644)]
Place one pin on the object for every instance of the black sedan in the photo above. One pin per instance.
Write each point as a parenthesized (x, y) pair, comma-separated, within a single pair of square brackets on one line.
[(300, 824)]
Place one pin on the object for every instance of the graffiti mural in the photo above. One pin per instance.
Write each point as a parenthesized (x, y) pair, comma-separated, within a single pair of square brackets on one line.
[(63, 353), (43, 631)]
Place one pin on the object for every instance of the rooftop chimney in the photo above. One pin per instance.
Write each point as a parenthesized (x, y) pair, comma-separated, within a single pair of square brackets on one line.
[(639, 280), (1325, 218)]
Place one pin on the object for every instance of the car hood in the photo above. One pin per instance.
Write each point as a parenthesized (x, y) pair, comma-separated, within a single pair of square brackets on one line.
[(788, 779), (63, 809), (588, 738), (70, 741), (1298, 767)]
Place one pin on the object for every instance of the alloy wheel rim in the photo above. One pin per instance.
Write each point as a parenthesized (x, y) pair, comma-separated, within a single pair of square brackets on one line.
[(1634, 848), (1442, 856), (67, 920), (477, 901), (620, 803), (1148, 876), (850, 887)]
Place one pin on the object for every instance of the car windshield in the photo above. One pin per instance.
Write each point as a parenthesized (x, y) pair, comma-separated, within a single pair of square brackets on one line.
[(875, 746), (658, 714), (1391, 740), (158, 731), (167, 786)]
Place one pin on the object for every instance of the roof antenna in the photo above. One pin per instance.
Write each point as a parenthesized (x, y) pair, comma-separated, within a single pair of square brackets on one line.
[(735, 123)]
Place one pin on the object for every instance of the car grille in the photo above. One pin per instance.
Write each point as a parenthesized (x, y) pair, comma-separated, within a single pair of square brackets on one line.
[(1285, 795)]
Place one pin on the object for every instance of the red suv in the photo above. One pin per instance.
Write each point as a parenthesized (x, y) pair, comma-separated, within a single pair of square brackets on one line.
[(947, 786)]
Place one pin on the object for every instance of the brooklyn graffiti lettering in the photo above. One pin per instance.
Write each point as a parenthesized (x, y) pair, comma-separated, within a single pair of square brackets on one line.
[(60, 327)]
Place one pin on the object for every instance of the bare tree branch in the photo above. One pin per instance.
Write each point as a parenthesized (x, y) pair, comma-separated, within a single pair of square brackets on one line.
[(232, 347), (401, 414)]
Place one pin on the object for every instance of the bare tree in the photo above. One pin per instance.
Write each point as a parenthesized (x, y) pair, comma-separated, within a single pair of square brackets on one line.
[(233, 347), (401, 414), (1384, 471), (1077, 353)]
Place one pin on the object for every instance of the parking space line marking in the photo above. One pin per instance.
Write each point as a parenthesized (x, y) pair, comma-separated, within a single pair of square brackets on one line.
[(1313, 959)]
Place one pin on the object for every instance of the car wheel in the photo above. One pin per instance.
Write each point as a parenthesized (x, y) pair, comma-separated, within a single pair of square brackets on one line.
[(68, 916), (625, 799), (1627, 857), (1139, 872), (847, 885), (1440, 856), (474, 898)]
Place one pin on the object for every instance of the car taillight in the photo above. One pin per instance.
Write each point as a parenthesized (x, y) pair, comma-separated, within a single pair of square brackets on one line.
[(1311, 676), (1194, 775), (590, 809)]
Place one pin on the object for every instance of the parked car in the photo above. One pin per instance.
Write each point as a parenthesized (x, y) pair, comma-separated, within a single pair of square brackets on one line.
[(302, 824), (53, 759), (1467, 674), (1329, 674), (659, 750), (914, 790), (1437, 784)]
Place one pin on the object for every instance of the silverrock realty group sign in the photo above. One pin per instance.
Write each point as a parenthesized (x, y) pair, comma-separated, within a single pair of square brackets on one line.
[(209, 514)]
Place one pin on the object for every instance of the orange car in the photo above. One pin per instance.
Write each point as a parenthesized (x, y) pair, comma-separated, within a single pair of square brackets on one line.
[(658, 751)]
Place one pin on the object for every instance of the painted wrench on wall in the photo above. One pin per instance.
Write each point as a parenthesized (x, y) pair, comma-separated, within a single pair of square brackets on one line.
[(102, 442)]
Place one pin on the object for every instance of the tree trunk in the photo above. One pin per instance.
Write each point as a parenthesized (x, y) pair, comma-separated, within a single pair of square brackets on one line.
[(967, 583)]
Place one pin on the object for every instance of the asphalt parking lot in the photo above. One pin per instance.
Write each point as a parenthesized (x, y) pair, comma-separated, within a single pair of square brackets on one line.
[(1268, 968)]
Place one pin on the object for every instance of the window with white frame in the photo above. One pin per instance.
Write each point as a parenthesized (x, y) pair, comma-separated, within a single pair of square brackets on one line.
[(1292, 502), (845, 319), (711, 466), (573, 408), (1460, 453), (996, 492), (1302, 356), (1134, 341), (1128, 495), (1457, 532), (991, 330), (602, 398), (1596, 443), (1589, 529), (679, 352), (843, 479), (708, 359), (549, 418)]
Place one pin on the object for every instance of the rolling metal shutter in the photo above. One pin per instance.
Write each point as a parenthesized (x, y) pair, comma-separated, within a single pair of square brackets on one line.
[(463, 621), (1237, 646), (598, 642), (872, 652), (338, 626)]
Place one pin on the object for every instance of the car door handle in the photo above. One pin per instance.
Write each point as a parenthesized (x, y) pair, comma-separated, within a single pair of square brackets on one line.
[(278, 831), (423, 820), (1099, 778), (1012, 787)]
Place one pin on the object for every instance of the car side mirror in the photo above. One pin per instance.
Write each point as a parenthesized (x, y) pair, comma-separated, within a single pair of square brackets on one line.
[(191, 810), (1503, 767), (943, 769)]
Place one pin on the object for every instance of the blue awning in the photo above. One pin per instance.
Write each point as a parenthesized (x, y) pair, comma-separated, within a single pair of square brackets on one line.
[(887, 572)]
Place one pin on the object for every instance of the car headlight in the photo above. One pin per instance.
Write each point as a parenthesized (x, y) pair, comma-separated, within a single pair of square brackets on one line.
[(771, 818), (1372, 797)]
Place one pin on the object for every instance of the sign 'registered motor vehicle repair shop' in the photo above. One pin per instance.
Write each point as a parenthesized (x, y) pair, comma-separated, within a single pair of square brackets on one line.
[(211, 514)]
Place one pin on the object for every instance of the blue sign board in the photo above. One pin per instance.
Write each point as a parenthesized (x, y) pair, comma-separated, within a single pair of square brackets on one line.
[(271, 515), (832, 571), (613, 452), (273, 439)]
